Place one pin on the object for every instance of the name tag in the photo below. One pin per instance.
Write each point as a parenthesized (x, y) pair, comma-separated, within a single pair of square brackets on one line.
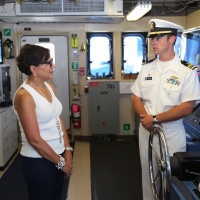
[(148, 78)]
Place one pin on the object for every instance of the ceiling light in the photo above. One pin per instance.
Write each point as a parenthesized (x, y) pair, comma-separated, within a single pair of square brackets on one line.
[(139, 10)]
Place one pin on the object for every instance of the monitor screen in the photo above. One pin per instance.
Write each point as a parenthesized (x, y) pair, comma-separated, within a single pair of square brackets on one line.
[(1, 49)]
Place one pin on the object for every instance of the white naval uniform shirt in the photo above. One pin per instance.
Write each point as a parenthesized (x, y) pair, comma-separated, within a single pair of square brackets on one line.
[(161, 90)]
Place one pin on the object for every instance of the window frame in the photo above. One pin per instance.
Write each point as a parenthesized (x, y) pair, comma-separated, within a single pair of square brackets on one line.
[(109, 35), (143, 35)]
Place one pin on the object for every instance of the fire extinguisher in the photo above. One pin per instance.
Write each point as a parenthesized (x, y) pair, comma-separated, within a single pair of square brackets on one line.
[(76, 115), (8, 49)]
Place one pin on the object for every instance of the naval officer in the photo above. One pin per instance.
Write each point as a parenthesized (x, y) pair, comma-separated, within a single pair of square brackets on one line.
[(164, 92)]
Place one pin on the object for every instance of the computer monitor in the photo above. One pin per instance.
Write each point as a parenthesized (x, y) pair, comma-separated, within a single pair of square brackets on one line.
[(1, 49)]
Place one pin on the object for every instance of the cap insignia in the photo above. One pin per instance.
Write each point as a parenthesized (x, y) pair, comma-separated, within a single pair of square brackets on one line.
[(152, 25)]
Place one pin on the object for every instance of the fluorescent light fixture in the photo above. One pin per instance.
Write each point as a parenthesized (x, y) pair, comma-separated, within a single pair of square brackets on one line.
[(139, 10)]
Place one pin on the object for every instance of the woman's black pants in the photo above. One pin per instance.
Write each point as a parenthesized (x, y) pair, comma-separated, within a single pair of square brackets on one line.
[(44, 181)]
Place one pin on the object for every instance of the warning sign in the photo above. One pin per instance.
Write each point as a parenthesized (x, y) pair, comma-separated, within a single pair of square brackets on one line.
[(74, 65), (7, 32)]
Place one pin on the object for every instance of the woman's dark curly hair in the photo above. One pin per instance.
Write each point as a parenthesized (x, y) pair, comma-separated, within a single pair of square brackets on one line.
[(31, 55)]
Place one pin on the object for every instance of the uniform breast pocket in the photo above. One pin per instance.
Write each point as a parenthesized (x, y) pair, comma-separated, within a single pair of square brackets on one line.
[(171, 92), (147, 88)]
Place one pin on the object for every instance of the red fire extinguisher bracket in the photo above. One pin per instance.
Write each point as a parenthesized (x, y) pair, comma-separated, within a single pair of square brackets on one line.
[(76, 123)]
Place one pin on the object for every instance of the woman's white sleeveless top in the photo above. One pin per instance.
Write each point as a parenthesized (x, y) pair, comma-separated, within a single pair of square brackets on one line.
[(46, 114)]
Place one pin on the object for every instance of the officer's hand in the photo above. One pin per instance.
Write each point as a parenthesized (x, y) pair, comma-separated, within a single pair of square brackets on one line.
[(146, 121)]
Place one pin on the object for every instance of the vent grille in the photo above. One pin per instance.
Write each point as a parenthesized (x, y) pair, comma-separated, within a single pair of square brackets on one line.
[(84, 6), (63, 7), (41, 7)]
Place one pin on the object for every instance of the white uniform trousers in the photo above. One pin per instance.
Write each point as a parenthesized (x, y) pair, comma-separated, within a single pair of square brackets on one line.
[(176, 142)]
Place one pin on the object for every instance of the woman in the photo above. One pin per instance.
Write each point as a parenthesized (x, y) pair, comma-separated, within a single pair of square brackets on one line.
[(46, 153)]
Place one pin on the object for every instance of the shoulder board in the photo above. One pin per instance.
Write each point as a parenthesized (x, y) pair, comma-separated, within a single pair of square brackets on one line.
[(149, 61), (187, 64)]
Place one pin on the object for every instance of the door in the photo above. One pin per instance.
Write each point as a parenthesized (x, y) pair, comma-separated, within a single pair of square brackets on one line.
[(58, 45)]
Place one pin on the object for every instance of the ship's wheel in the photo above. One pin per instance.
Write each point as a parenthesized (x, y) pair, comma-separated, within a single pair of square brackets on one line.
[(159, 164)]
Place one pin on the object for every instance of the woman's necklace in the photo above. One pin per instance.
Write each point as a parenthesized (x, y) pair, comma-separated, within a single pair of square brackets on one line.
[(43, 93), (58, 123)]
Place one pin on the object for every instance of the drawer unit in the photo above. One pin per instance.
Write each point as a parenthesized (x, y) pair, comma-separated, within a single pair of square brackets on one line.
[(4, 122), (13, 120), (13, 141), (8, 135)]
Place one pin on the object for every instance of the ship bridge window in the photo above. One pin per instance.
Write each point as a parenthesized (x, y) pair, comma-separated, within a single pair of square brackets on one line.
[(134, 52), (99, 55), (191, 48), (178, 44)]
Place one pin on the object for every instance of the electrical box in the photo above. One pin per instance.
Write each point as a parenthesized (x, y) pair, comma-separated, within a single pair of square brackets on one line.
[(5, 84), (103, 108)]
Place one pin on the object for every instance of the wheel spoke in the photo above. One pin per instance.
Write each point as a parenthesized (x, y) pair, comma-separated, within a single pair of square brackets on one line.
[(163, 175), (158, 174), (158, 157)]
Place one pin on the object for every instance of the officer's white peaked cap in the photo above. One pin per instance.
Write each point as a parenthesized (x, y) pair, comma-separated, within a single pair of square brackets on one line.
[(162, 27)]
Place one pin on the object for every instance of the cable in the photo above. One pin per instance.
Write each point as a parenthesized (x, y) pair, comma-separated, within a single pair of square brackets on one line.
[(174, 11), (158, 10)]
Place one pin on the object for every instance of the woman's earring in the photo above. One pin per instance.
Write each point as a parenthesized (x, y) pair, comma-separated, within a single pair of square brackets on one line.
[(35, 75)]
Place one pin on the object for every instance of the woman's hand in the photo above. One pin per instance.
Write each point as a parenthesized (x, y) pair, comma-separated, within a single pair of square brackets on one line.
[(68, 167)]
